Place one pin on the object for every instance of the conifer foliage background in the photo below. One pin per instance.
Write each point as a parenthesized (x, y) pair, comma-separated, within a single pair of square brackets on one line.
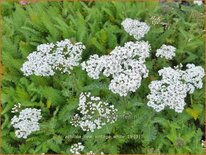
[(139, 128)]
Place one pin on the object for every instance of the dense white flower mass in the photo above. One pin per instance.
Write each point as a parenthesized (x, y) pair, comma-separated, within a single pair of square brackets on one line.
[(193, 77), (124, 64), (94, 113), (125, 82), (135, 28), (77, 148), (166, 51), (163, 94), (172, 89), (26, 122), (48, 58)]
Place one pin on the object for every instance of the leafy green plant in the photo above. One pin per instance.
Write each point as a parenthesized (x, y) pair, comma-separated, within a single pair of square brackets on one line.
[(139, 129)]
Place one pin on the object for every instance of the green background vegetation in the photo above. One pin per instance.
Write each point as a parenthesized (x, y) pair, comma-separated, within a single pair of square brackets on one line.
[(98, 26)]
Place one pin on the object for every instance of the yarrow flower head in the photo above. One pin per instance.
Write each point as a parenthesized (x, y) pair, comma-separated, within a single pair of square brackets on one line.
[(26, 122), (77, 148), (94, 113), (124, 64), (172, 89), (135, 28), (193, 77), (166, 51), (48, 58), (127, 81)]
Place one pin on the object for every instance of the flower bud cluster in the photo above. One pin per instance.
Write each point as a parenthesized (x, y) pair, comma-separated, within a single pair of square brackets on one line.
[(16, 108), (156, 20)]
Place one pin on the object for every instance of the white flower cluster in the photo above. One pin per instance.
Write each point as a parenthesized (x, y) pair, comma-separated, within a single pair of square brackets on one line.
[(77, 148), (166, 51), (203, 143), (16, 108), (26, 122), (62, 56), (135, 28), (125, 65), (198, 2), (91, 152), (172, 89), (93, 113)]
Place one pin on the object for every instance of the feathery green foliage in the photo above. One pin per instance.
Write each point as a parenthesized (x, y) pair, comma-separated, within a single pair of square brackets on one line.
[(139, 128)]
